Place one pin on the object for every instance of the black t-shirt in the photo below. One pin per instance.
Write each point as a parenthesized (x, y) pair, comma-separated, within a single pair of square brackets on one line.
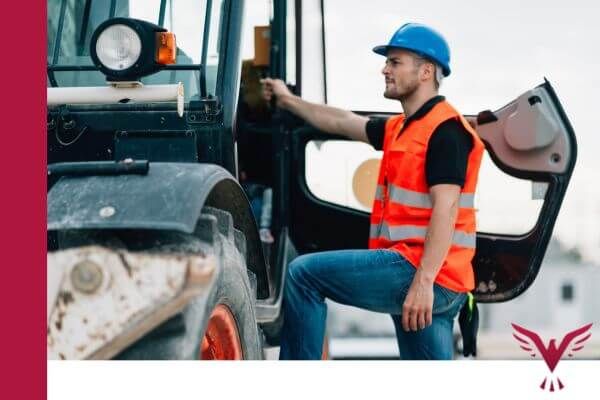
[(448, 149)]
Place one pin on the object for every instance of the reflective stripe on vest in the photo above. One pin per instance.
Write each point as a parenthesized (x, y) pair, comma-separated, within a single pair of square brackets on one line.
[(403, 232), (416, 199)]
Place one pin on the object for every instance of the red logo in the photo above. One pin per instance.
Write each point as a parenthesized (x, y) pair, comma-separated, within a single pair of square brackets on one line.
[(572, 342)]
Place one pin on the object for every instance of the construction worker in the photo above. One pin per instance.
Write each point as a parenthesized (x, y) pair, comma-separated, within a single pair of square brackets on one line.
[(422, 240)]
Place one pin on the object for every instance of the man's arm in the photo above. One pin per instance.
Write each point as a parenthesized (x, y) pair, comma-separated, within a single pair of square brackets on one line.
[(327, 119), (418, 305)]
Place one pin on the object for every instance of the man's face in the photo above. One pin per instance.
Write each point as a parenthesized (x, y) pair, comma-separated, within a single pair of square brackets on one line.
[(401, 75)]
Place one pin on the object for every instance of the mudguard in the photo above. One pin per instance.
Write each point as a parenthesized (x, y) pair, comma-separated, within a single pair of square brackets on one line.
[(169, 197)]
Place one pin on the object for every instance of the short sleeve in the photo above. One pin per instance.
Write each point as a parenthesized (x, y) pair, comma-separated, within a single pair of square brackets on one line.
[(376, 132), (448, 154)]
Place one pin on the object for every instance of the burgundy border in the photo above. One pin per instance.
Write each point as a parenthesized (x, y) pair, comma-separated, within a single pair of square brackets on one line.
[(23, 200)]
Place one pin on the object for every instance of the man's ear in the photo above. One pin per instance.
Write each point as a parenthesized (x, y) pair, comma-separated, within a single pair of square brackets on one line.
[(427, 71)]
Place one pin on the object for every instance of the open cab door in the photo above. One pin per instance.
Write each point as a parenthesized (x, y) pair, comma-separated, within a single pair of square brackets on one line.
[(530, 139)]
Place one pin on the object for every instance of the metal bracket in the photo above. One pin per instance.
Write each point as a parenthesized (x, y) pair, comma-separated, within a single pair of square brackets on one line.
[(203, 112)]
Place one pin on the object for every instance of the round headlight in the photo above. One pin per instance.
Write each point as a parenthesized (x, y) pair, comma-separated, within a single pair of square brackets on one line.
[(118, 47), (126, 49)]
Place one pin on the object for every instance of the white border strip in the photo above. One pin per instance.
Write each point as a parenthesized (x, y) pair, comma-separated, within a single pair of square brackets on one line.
[(318, 380)]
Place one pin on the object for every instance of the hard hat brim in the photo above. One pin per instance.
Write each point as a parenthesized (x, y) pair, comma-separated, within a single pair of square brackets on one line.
[(383, 50)]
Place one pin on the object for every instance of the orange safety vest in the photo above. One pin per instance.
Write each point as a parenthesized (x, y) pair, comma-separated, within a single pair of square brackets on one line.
[(402, 206)]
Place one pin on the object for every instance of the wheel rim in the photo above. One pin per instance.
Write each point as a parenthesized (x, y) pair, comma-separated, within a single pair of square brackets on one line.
[(325, 352), (221, 340)]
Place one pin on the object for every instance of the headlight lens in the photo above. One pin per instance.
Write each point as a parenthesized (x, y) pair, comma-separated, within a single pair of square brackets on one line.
[(118, 47)]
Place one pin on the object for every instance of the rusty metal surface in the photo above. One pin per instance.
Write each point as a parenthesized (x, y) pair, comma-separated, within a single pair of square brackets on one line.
[(113, 202), (102, 300)]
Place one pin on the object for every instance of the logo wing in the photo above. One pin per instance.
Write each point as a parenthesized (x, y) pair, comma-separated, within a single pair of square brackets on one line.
[(574, 340), (528, 340)]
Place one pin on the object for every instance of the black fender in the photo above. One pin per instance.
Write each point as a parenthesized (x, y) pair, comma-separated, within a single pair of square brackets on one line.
[(169, 197)]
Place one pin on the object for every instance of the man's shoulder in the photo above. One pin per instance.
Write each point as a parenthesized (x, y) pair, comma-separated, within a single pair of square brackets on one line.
[(387, 118), (377, 126), (451, 131)]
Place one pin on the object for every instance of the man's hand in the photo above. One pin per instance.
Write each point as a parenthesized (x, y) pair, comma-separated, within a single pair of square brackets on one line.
[(324, 118), (418, 305), (277, 88)]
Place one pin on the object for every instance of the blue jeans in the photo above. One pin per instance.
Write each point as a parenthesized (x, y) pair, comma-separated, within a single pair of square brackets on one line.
[(376, 280)]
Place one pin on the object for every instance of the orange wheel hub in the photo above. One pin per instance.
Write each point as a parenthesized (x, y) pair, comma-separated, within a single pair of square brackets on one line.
[(221, 340), (325, 353)]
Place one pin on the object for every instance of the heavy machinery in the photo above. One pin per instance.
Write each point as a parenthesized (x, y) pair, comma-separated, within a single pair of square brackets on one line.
[(154, 251)]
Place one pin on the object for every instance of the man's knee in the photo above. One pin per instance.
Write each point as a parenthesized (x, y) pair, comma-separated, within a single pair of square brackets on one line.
[(298, 268)]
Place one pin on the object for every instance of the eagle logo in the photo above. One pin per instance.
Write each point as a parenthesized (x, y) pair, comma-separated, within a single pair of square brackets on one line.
[(571, 343)]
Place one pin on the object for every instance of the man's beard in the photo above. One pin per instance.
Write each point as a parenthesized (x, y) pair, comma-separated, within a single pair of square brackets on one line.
[(408, 91)]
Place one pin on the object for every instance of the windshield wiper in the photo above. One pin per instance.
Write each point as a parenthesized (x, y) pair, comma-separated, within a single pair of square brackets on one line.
[(113, 6), (84, 25)]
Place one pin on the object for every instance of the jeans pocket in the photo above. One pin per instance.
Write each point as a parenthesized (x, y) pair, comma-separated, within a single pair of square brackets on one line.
[(444, 300), (385, 256)]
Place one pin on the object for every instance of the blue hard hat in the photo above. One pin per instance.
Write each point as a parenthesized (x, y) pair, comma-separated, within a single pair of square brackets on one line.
[(422, 40)]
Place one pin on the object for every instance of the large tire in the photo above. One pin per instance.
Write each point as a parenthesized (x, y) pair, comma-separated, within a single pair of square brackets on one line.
[(236, 288), (233, 292)]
